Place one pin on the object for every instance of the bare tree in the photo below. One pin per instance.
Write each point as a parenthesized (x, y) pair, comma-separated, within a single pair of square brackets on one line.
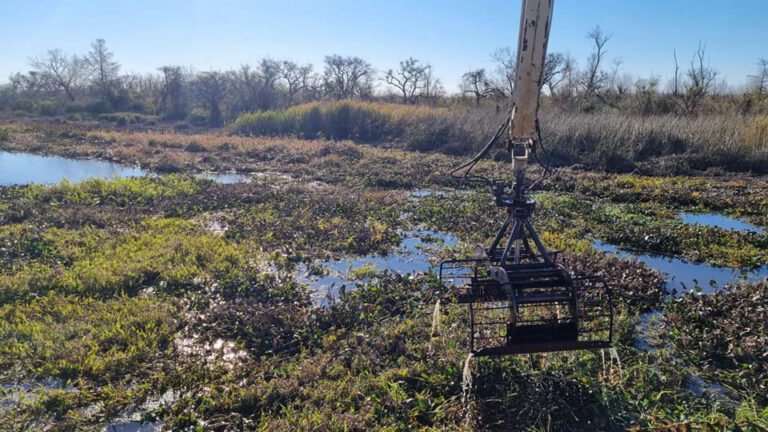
[(172, 101), (476, 83), (104, 69), (245, 86), (409, 79), (676, 79), (269, 73), (595, 78), (347, 77), (620, 84), (296, 77), (567, 90), (314, 86), (699, 82), (505, 60), (555, 67), (759, 81), (65, 73), (433, 88), (211, 87)]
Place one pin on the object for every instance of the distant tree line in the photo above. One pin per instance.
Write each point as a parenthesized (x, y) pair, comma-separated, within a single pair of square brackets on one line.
[(92, 83)]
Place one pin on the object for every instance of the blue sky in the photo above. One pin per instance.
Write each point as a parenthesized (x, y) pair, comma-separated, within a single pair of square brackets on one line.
[(454, 36)]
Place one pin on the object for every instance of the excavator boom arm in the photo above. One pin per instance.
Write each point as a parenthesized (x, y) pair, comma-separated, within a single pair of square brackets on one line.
[(535, 22)]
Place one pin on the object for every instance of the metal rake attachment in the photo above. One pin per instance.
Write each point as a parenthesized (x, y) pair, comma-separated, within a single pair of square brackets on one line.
[(530, 307)]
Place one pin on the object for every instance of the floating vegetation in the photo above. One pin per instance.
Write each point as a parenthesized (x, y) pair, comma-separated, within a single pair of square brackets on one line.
[(725, 335)]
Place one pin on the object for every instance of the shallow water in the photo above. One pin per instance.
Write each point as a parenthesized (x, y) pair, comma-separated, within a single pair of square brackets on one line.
[(412, 256), (647, 331), (25, 168), (225, 178), (684, 276), (719, 221), (134, 426)]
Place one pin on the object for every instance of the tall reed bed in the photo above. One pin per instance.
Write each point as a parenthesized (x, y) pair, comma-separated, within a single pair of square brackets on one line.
[(607, 141)]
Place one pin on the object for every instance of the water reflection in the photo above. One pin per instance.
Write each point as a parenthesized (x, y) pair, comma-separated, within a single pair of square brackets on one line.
[(719, 221), (25, 168), (412, 256), (685, 276)]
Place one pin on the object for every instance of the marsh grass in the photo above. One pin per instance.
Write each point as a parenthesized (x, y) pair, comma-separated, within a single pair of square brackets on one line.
[(665, 144), (415, 127)]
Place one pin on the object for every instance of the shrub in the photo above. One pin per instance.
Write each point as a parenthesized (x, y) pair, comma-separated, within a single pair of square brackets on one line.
[(48, 108), (198, 117), (24, 105), (194, 147)]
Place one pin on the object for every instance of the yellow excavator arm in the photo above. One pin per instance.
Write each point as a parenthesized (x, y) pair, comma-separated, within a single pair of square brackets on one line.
[(535, 22)]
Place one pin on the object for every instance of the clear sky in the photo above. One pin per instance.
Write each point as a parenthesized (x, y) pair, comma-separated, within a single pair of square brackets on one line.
[(454, 36)]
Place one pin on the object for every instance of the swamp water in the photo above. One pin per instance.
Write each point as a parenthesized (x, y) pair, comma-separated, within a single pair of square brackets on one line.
[(26, 168), (683, 276), (412, 256), (719, 221)]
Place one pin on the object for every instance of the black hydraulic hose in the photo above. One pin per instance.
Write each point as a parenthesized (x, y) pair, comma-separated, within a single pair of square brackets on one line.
[(467, 167), (547, 169)]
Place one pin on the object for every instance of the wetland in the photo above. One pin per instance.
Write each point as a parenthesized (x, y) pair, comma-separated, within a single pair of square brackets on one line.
[(298, 291)]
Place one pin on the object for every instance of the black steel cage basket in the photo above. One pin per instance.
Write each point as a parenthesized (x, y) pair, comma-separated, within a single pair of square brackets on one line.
[(530, 307)]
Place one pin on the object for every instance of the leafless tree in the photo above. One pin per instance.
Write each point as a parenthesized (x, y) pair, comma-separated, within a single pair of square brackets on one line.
[(409, 79), (211, 87), (172, 101), (66, 73), (505, 69), (699, 82), (347, 77), (676, 78), (620, 83), (476, 83), (269, 72), (555, 67), (595, 78), (433, 88), (245, 86), (759, 81), (314, 86), (296, 77), (32, 83), (104, 69)]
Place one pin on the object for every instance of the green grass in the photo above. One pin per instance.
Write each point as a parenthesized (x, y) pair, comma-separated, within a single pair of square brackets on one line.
[(120, 192), (72, 337), (412, 127), (167, 254)]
